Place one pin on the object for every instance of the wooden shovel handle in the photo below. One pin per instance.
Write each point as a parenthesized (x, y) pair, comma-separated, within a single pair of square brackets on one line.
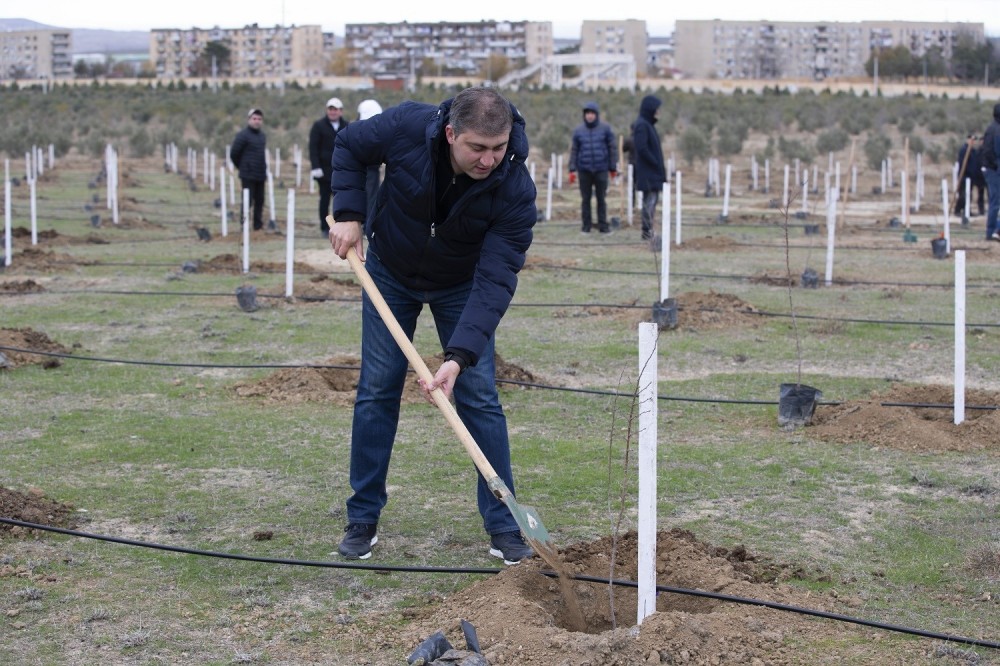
[(423, 372)]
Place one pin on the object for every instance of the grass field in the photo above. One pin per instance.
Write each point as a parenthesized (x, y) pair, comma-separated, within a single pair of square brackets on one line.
[(163, 449)]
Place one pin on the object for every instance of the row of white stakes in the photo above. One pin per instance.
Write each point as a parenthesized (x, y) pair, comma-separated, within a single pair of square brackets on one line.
[(648, 436)]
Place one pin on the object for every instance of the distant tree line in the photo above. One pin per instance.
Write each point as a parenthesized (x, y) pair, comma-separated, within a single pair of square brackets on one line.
[(971, 62)]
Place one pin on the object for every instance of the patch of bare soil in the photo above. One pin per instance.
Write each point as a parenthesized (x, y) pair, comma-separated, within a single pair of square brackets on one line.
[(774, 279), (695, 310), (22, 236), (520, 616), (337, 384), (704, 310), (534, 261), (709, 243), (46, 261), (20, 287), (231, 263), (323, 287), (26, 338), (912, 428), (32, 507)]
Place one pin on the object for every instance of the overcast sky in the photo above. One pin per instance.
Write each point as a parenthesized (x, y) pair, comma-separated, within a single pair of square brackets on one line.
[(659, 16)]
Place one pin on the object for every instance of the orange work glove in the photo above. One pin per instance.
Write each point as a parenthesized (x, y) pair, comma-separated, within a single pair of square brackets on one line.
[(614, 174), (572, 177)]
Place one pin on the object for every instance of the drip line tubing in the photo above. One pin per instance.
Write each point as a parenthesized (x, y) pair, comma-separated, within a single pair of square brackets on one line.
[(514, 382), (468, 570)]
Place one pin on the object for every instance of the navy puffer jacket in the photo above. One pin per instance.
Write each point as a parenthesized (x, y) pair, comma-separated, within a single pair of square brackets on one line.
[(486, 233), (248, 154), (650, 172), (593, 145)]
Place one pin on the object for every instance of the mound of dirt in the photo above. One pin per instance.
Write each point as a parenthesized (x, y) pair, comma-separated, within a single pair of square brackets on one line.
[(709, 243), (534, 261), (32, 507), (36, 259), (26, 338), (321, 288), (912, 428), (775, 279), (337, 384), (20, 287), (695, 310), (22, 236), (705, 310), (231, 263), (521, 617)]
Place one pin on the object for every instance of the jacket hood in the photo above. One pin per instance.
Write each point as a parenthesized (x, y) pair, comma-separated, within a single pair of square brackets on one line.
[(591, 106), (648, 107), (996, 113)]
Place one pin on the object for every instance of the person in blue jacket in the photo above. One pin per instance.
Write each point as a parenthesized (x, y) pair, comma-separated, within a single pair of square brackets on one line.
[(990, 165), (592, 158), (451, 224), (650, 172)]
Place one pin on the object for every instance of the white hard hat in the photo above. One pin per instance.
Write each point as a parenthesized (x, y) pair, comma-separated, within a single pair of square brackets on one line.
[(369, 108), (335, 103)]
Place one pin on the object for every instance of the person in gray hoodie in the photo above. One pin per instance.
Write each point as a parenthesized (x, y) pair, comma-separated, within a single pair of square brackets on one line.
[(593, 157)]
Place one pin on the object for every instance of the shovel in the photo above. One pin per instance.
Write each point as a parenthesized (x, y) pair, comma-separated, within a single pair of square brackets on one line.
[(527, 518)]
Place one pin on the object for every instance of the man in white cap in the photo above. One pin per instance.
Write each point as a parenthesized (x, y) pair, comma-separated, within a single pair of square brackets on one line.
[(321, 140), (366, 109)]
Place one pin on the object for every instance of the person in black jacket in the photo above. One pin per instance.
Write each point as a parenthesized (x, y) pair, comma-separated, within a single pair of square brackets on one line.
[(249, 156), (450, 228), (322, 139), (990, 158), (650, 172), (593, 157), (970, 168)]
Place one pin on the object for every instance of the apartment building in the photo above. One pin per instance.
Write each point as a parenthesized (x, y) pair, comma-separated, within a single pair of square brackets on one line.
[(444, 47), (802, 50), (626, 37), (253, 51), (36, 54)]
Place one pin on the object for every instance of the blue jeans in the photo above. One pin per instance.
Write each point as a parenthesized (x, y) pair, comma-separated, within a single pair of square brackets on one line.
[(993, 190), (380, 388), (595, 182)]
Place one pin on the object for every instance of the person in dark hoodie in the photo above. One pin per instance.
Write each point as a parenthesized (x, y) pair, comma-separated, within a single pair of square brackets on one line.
[(650, 172), (249, 155), (969, 169), (321, 143), (450, 228), (592, 158), (991, 171)]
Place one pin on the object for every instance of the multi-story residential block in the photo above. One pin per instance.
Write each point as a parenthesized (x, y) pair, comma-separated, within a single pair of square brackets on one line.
[(801, 50), (249, 52), (36, 54), (444, 47), (617, 38)]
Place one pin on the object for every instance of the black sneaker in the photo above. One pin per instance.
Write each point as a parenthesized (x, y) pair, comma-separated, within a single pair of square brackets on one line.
[(358, 541), (510, 547)]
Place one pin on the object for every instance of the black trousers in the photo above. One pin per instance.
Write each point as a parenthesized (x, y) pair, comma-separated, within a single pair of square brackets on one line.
[(256, 188), (325, 196), (977, 186)]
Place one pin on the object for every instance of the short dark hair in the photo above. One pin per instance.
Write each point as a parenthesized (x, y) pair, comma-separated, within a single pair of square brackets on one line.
[(481, 110)]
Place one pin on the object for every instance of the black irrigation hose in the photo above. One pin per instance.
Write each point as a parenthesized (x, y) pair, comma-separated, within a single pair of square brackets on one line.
[(468, 570), (514, 382), (716, 276), (620, 306)]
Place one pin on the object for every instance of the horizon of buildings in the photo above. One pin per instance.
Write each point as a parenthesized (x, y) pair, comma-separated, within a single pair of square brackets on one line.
[(714, 48)]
